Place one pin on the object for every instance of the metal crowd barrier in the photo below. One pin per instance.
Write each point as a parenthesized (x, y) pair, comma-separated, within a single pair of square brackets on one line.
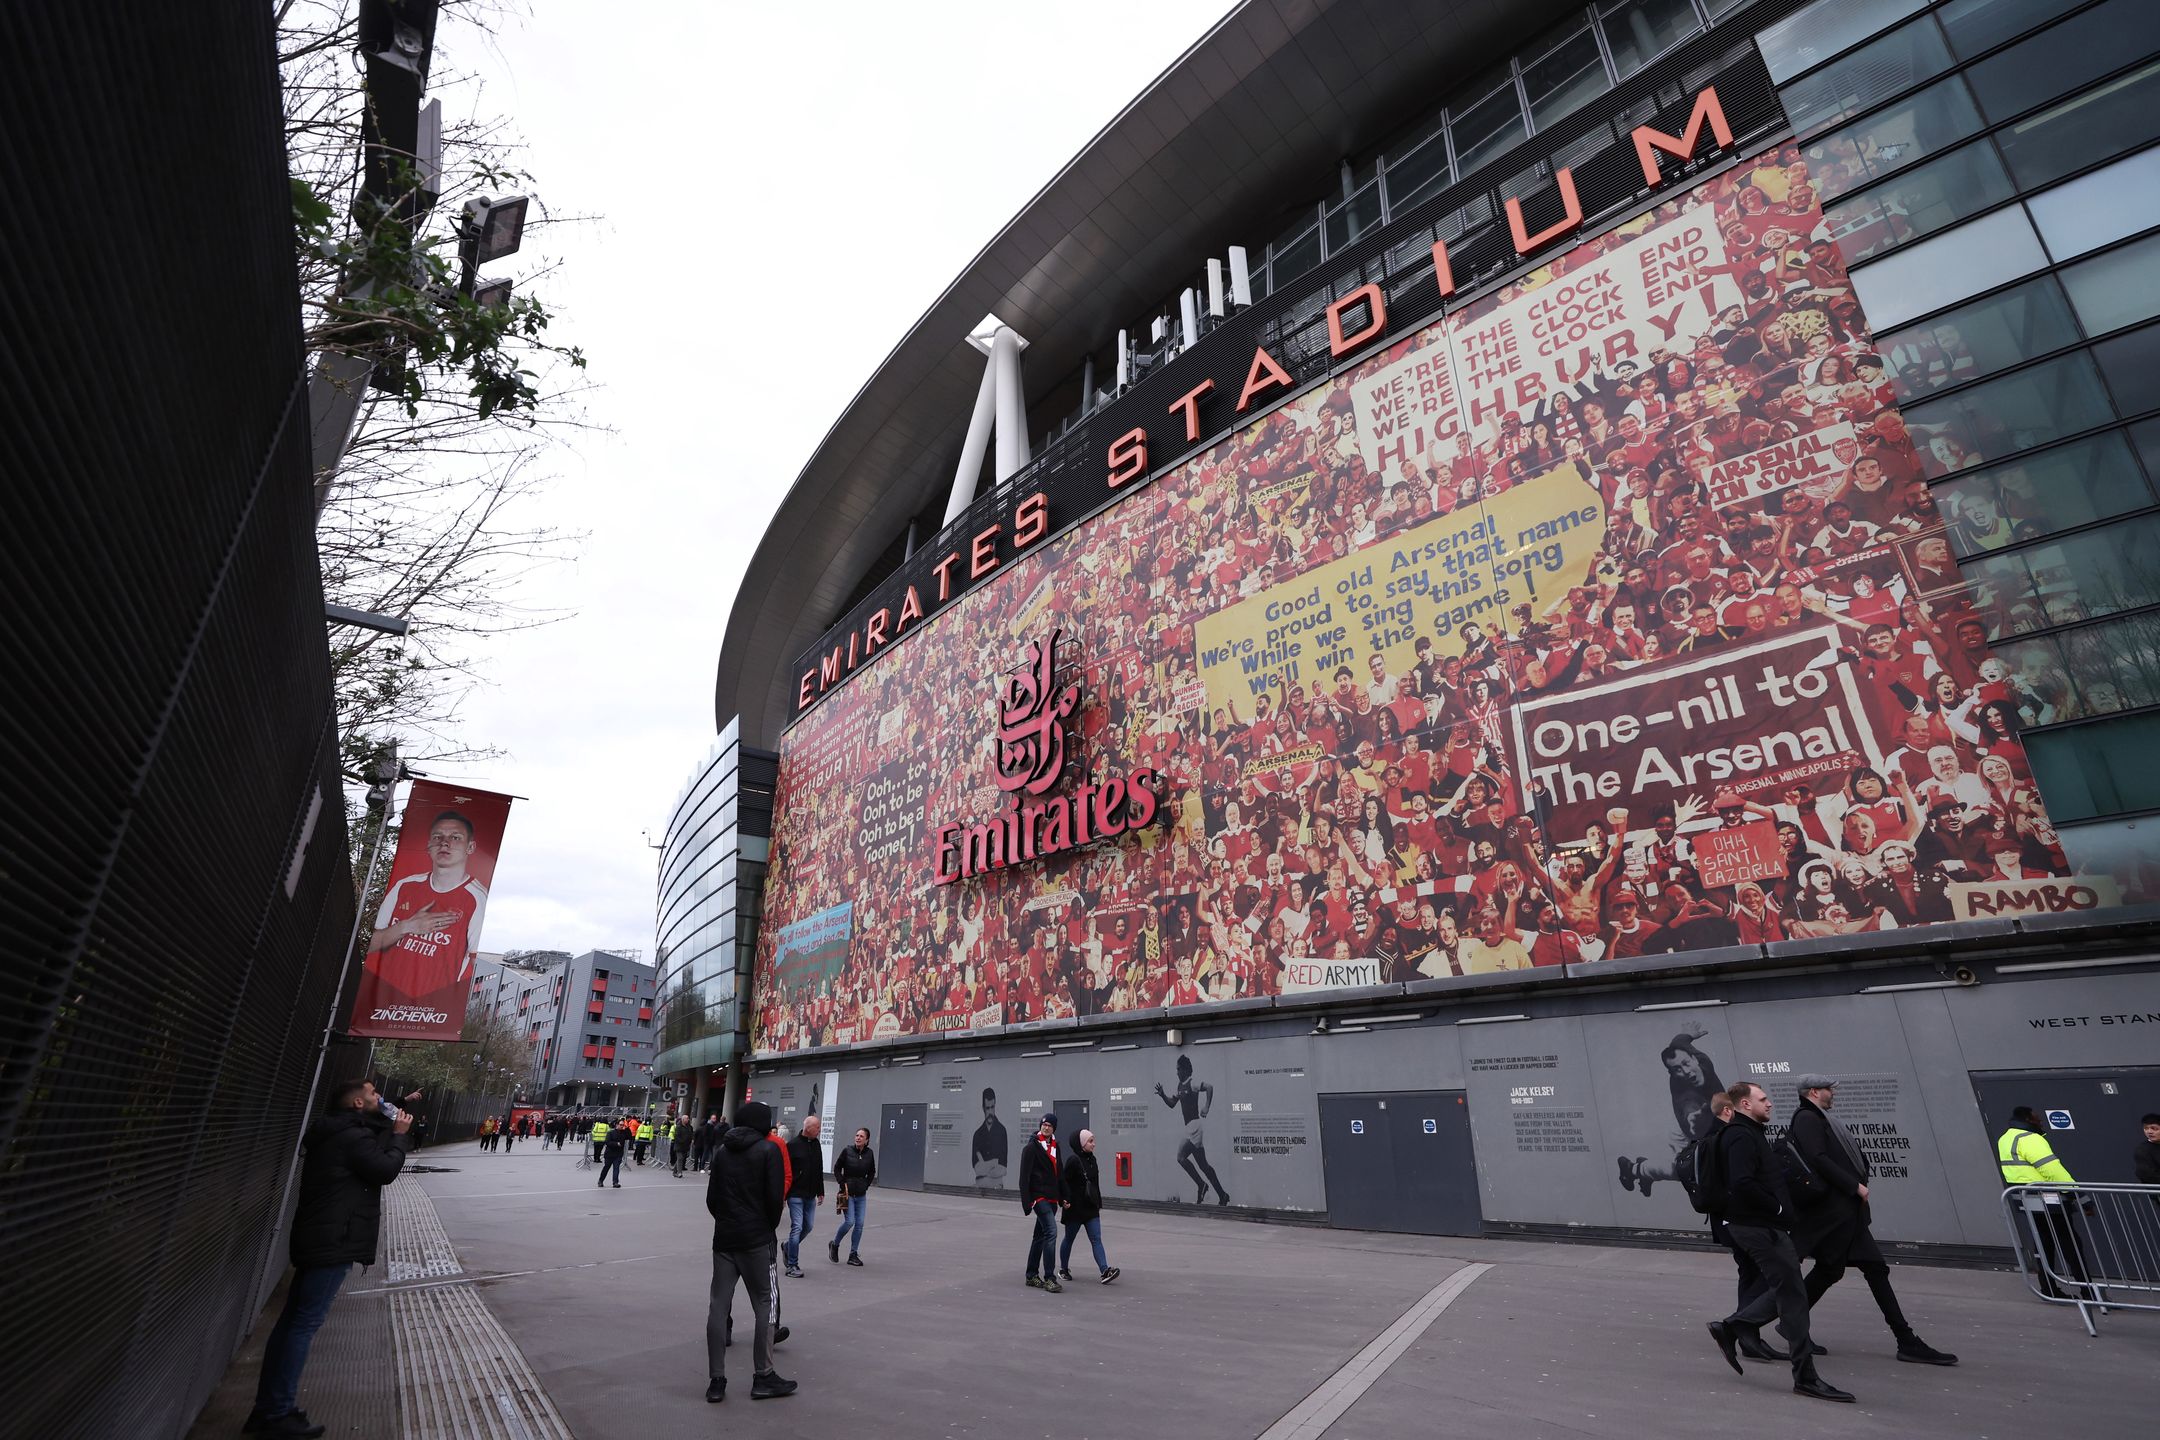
[(2093, 1246)]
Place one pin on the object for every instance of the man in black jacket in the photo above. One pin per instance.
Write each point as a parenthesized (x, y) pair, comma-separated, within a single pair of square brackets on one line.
[(806, 1190), (1835, 1228), (2145, 1159), (611, 1152), (352, 1153), (1042, 1191), (746, 1197), (1758, 1218), (1083, 1207)]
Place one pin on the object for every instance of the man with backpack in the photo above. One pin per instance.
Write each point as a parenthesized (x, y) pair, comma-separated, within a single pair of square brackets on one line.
[(1741, 1183), (1834, 1228)]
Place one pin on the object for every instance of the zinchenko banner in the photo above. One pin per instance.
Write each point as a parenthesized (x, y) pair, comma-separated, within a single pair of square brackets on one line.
[(418, 969)]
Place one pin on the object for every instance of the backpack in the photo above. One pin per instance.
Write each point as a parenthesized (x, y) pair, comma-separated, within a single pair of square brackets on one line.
[(1801, 1182), (1700, 1166)]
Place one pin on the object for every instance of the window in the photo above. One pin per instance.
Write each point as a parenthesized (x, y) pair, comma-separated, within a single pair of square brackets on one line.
[(1638, 31), (1564, 79), (1908, 132), (1898, 61), (1997, 418), (2104, 768), (1417, 175), (1979, 339), (2132, 366), (2065, 57), (1944, 270), (1977, 25), (1487, 128), (2059, 489), (1355, 216), (2119, 288), (2093, 669), (2080, 577), (1802, 41), (1936, 195), (2123, 114), (1295, 259), (2100, 208)]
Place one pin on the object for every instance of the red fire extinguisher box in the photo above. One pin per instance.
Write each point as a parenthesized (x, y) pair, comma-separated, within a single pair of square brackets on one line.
[(1124, 1167)]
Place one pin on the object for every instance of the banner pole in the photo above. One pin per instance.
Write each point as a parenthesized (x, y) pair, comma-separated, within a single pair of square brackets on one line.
[(322, 1049)]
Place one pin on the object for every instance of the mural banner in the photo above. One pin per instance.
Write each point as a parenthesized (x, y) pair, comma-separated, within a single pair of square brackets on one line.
[(414, 980)]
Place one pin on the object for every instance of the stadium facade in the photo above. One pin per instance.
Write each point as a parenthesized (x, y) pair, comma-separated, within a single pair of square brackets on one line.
[(1538, 560)]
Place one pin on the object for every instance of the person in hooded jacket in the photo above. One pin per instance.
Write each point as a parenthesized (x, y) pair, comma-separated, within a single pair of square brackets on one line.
[(352, 1153), (746, 1196), (1083, 1207)]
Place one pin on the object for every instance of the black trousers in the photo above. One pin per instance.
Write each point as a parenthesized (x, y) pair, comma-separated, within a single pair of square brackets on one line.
[(1782, 1294), (2056, 1230), (1852, 1247)]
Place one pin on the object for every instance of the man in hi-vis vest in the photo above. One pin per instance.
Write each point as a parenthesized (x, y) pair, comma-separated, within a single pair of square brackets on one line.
[(2027, 1157)]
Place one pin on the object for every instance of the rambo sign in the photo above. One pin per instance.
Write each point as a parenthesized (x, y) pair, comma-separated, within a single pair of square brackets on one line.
[(1032, 741)]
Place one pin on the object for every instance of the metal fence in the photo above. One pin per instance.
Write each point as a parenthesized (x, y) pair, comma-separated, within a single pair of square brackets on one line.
[(175, 894), (2093, 1246)]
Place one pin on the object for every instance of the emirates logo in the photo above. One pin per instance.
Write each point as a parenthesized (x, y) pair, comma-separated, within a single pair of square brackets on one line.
[(1031, 722)]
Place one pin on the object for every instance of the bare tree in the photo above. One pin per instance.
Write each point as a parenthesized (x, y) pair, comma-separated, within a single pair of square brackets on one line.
[(428, 518)]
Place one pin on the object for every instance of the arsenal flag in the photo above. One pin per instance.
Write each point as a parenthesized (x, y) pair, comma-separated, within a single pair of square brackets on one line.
[(419, 965)]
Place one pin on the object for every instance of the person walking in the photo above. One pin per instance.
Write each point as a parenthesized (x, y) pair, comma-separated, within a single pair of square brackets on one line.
[(1042, 1189), (1083, 1207), (1758, 1216), (746, 1197), (352, 1154), (684, 1131), (806, 1191), (641, 1138), (856, 1169), (1834, 1230), (2027, 1157), (487, 1133), (708, 1137), (2145, 1155), (600, 1128), (612, 1150)]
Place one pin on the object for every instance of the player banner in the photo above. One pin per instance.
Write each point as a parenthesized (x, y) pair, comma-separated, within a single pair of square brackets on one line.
[(419, 961)]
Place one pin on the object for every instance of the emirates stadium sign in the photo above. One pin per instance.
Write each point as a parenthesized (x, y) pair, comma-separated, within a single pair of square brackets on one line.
[(1033, 744)]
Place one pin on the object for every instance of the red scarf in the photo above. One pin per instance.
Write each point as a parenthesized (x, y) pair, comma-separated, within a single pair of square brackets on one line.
[(1050, 1144)]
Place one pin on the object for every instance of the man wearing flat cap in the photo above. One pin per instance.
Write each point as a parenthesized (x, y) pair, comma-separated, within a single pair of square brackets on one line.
[(1834, 1230)]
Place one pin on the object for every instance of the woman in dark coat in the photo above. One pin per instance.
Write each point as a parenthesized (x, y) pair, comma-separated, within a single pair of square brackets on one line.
[(1083, 1207)]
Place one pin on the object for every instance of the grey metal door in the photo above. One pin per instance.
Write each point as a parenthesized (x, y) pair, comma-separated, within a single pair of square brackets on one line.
[(1357, 1162), (902, 1139), (1072, 1119), (2102, 1108), (1435, 1170), (1400, 1161)]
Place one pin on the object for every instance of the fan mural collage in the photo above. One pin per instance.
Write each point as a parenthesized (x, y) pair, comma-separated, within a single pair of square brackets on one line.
[(1611, 615)]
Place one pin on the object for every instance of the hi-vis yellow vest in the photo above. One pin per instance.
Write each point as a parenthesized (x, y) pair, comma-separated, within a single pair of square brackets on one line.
[(599, 1131), (2028, 1159)]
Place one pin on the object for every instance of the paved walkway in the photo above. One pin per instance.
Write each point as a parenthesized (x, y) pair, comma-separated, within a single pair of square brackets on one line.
[(1218, 1328)]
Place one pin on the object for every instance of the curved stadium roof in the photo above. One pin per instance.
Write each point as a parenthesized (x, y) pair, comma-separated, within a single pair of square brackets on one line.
[(1259, 112)]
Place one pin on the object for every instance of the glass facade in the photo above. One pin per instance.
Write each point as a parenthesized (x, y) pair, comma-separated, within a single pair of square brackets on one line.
[(1995, 194), (712, 875)]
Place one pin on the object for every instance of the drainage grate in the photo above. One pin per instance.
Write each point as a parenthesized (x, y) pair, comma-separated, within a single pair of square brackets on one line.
[(415, 1246), (461, 1375)]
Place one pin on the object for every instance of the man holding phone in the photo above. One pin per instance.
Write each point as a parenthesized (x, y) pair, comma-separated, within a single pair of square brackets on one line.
[(352, 1153)]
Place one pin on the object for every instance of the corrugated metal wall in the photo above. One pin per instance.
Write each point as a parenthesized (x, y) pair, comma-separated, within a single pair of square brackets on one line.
[(166, 721)]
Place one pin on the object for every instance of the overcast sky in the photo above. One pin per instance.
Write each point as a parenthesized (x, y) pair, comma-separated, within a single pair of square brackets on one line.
[(783, 190)]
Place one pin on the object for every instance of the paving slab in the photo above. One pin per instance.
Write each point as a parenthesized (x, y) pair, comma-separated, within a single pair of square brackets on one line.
[(1220, 1328)]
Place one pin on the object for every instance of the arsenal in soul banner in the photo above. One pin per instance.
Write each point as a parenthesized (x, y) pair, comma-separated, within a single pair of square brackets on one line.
[(419, 964)]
